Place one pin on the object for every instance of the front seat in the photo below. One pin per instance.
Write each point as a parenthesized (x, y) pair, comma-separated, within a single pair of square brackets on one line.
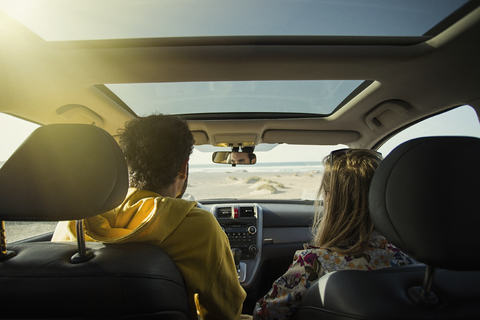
[(424, 199), (72, 172)]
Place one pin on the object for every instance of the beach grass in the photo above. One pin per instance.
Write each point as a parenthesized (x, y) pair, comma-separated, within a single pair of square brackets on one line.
[(267, 187)]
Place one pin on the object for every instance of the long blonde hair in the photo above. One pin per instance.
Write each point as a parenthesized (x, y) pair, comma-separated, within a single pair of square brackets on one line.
[(345, 225)]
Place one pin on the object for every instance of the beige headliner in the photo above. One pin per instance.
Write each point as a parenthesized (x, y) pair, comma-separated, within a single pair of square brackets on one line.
[(39, 77)]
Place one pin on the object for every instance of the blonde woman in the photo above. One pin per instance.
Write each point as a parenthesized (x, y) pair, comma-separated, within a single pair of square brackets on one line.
[(345, 238)]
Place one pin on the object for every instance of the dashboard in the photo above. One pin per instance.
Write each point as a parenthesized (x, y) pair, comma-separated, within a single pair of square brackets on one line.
[(265, 235)]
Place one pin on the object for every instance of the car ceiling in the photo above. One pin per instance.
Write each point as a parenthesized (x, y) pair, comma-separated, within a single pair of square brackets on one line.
[(412, 78)]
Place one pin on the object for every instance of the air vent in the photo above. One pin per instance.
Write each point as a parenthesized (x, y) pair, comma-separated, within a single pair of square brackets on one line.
[(224, 212), (247, 212)]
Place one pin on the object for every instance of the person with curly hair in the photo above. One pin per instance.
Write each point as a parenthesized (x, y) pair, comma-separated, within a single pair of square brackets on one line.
[(157, 149)]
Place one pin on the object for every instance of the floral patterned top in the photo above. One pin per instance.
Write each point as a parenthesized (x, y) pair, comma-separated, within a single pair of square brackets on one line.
[(312, 263)]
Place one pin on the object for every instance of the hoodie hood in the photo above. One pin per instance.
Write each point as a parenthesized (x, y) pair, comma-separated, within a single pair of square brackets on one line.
[(139, 218)]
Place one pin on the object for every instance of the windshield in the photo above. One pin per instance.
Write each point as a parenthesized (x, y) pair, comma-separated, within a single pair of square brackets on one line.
[(283, 172)]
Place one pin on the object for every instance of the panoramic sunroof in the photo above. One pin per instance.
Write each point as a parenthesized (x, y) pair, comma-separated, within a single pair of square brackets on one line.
[(64, 20), (312, 97)]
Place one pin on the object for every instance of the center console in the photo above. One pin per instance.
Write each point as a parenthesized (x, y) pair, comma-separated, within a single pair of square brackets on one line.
[(243, 225)]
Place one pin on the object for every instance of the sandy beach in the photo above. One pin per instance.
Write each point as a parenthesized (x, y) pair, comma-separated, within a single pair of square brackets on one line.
[(241, 184), (21, 230)]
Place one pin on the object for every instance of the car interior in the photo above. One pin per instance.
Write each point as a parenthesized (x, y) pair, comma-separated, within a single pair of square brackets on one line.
[(47, 273), (406, 191), (268, 90)]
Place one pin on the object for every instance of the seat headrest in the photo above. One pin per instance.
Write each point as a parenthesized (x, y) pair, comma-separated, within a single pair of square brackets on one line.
[(63, 172), (424, 198)]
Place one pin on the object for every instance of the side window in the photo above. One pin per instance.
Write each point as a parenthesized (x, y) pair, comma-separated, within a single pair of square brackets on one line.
[(461, 121), (13, 131)]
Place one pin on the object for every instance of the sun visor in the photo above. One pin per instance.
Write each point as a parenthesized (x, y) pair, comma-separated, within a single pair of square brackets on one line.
[(200, 137), (310, 137)]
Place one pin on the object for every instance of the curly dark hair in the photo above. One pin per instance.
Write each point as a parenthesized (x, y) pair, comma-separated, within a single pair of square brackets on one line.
[(155, 148)]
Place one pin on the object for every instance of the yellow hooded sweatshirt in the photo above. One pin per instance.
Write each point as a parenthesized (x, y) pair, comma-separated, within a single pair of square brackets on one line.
[(191, 236)]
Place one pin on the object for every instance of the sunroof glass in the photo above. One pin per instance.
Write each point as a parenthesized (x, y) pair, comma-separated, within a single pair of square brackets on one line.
[(62, 20), (316, 97)]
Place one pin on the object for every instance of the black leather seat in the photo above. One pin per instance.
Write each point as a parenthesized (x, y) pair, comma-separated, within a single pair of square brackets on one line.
[(70, 172), (424, 199)]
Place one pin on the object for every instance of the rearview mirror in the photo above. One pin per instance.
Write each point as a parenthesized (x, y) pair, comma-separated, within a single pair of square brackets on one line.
[(234, 158)]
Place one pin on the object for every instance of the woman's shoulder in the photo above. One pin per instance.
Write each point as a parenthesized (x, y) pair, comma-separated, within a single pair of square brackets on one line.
[(310, 249), (323, 260), (310, 253), (382, 254)]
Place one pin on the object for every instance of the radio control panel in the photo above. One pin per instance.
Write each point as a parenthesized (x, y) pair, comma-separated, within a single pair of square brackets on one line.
[(242, 236), (240, 223)]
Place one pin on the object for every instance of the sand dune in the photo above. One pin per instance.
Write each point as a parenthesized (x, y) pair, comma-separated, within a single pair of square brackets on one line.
[(254, 185)]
